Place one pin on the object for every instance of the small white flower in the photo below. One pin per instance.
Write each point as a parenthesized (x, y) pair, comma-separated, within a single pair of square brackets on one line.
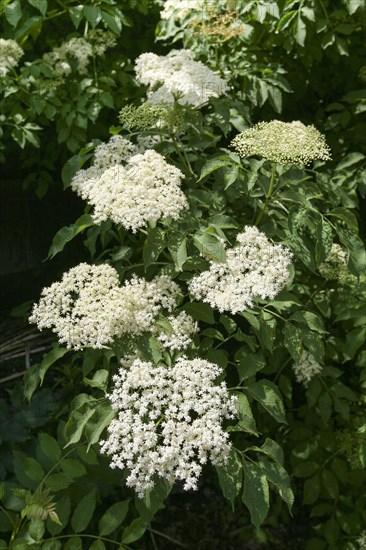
[(88, 307), (183, 327), (169, 422), (178, 76), (307, 368), (283, 142), (10, 53), (146, 189), (253, 269)]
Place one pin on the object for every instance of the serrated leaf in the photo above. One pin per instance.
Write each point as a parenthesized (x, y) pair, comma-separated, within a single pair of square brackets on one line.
[(153, 246), (230, 477), (83, 512), (177, 246), (324, 240), (49, 446), (67, 233), (277, 475), (214, 164), (210, 246), (35, 375), (293, 341), (113, 517), (255, 493), (249, 365), (41, 5), (269, 397), (200, 312), (134, 531)]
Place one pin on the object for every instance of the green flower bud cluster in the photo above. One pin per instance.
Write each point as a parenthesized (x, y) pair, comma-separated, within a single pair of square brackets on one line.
[(148, 116), (282, 142)]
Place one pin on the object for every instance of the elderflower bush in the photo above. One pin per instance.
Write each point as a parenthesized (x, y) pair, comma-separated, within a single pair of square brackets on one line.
[(222, 348)]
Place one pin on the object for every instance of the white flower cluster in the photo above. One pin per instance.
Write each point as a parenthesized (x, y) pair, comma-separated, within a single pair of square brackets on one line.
[(88, 307), (283, 142), (146, 189), (254, 268), (178, 76), (179, 335), (169, 422), (335, 265), (10, 53), (81, 49), (306, 369), (179, 9), (361, 541)]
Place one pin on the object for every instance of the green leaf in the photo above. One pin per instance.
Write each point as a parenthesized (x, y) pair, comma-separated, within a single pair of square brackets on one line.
[(41, 5), (177, 246), (85, 408), (73, 468), (92, 14), (245, 415), (230, 477), (153, 246), (354, 340), (269, 397), (277, 475), (324, 240), (255, 493), (200, 312), (13, 12), (134, 531), (67, 233), (97, 545), (83, 512), (49, 446), (305, 469), (210, 246), (98, 422), (113, 22), (113, 517), (249, 365), (286, 20), (300, 31), (293, 341), (273, 450), (214, 164), (312, 320), (153, 499), (74, 543), (35, 375), (99, 380), (28, 471), (356, 249), (346, 216)]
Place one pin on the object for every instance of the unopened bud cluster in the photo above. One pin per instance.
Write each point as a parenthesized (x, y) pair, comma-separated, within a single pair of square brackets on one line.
[(282, 142), (335, 265)]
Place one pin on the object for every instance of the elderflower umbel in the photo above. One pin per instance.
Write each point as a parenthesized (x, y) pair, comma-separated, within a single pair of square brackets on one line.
[(254, 268), (179, 335), (169, 422), (178, 76), (179, 9), (335, 265), (283, 142), (88, 307), (306, 368), (146, 189), (77, 48), (10, 53), (361, 541)]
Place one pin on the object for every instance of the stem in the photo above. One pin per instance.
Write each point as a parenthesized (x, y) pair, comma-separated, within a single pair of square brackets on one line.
[(183, 160), (269, 194), (167, 537)]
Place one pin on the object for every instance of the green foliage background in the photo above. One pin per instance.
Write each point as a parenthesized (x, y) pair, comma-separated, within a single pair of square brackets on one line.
[(291, 60)]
